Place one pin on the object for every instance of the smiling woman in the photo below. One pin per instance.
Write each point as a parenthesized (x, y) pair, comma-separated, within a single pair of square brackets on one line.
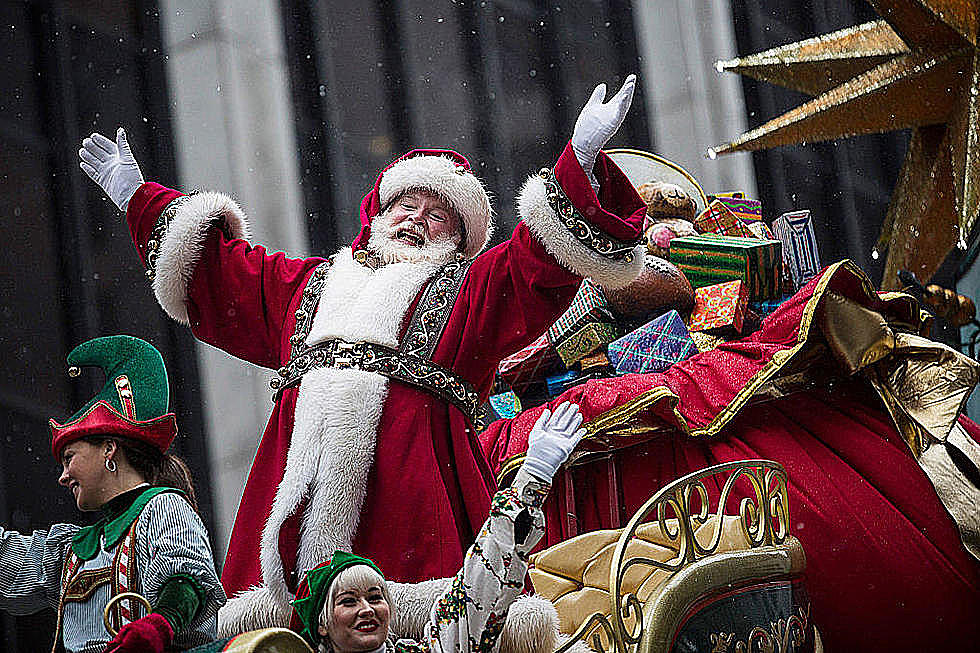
[(149, 539), (343, 605)]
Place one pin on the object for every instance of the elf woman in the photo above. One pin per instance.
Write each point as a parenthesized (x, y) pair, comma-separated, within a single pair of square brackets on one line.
[(149, 540), (344, 605)]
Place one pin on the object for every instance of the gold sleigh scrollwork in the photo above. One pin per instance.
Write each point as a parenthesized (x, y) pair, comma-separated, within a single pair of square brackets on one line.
[(681, 508), (775, 639)]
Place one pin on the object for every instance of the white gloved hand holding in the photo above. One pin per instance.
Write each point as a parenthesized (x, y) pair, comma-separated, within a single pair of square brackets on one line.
[(112, 166), (597, 122), (552, 440)]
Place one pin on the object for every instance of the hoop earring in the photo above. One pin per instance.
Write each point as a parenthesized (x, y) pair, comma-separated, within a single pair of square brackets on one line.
[(111, 465)]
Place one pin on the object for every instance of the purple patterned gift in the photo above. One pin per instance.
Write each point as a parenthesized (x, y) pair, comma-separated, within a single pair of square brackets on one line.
[(653, 347)]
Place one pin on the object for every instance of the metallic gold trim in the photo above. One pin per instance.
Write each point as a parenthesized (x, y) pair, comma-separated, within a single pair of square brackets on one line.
[(304, 319), (158, 233), (280, 640), (131, 596), (81, 586), (781, 636), (681, 508), (665, 162), (379, 359), (432, 313), (581, 229), (665, 610), (307, 308)]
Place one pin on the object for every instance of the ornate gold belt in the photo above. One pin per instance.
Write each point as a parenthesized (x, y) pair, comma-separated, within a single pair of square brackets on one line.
[(380, 359)]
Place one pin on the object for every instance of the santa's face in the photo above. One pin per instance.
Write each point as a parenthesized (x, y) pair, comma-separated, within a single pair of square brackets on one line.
[(417, 226), (422, 213)]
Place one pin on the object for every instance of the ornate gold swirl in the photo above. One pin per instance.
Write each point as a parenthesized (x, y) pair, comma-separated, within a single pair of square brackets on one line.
[(682, 510), (781, 636), (157, 234)]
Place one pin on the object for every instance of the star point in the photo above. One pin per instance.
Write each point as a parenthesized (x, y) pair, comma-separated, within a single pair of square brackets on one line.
[(918, 68)]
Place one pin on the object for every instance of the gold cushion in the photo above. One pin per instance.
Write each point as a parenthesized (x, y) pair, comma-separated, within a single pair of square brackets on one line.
[(574, 574)]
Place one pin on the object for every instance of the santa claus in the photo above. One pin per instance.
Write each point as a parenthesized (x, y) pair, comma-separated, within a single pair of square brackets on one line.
[(384, 350)]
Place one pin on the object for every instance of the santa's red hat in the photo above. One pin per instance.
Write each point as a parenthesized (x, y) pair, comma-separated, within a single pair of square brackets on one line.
[(444, 173)]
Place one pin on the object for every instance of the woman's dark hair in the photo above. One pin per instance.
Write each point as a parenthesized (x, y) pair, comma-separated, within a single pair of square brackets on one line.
[(159, 470)]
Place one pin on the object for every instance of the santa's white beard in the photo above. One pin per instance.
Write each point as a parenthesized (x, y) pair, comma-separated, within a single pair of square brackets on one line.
[(391, 250)]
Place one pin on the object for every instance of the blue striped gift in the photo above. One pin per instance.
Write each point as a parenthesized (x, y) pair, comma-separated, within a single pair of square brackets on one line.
[(801, 258)]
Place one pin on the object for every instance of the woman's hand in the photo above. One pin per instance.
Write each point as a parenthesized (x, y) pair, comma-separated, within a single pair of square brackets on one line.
[(112, 166), (552, 440), (151, 634)]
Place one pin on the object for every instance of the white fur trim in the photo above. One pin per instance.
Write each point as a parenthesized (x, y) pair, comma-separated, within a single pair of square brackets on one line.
[(181, 247), (449, 180), (413, 605), (531, 626), (545, 225), (337, 414), (250, 610)]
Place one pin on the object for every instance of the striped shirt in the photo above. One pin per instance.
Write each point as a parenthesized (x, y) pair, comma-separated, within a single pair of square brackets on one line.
[(169, 539)]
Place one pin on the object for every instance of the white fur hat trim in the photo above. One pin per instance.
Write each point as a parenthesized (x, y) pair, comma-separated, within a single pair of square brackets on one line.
[(451, 181)]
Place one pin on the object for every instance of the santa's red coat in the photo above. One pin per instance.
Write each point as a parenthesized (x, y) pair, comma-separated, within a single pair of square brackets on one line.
[(886, 569), (429, 487)]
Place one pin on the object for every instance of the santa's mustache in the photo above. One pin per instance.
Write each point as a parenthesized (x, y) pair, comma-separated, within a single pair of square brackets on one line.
[(385, 242)]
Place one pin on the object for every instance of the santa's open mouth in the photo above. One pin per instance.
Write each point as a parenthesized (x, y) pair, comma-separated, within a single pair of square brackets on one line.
[(412, 238)]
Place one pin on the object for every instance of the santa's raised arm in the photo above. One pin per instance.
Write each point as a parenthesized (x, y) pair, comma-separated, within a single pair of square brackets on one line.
[(384, 350)]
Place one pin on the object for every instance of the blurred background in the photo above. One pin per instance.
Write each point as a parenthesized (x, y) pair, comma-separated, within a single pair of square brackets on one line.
[(292, 107)]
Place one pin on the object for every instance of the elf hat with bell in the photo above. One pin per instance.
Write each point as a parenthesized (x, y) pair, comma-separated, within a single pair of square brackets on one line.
[(133, 403)]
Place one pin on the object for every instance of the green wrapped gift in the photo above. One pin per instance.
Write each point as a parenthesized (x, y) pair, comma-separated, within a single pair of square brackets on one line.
[(707, 260)]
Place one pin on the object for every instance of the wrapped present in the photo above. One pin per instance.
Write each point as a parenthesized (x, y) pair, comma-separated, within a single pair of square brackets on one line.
[(585, 341), (505, 405), (761, 230), (718, 306), (749, 211), (717, 219), (653, 347), (801, 258), (595, 362), (766, 307), (745, 209), (588, 305), (559, 383), (708, 259), (731, 194), (530, 365)]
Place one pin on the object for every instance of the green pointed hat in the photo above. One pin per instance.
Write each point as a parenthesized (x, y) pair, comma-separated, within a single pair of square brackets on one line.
[(134, 401), (312, 592)]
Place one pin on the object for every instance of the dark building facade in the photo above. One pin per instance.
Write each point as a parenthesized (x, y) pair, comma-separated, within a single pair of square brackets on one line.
[(69, 272)]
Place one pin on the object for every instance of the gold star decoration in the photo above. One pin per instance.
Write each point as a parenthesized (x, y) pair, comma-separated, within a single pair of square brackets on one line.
[(918, 68)]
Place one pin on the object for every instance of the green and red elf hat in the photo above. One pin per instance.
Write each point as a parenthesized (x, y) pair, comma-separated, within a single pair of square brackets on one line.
[(311, 595), (134, 401)]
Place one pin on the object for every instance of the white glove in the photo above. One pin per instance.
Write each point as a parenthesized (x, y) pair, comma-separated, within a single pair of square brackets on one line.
[(112, 166), (552, 440), (597, 122)]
